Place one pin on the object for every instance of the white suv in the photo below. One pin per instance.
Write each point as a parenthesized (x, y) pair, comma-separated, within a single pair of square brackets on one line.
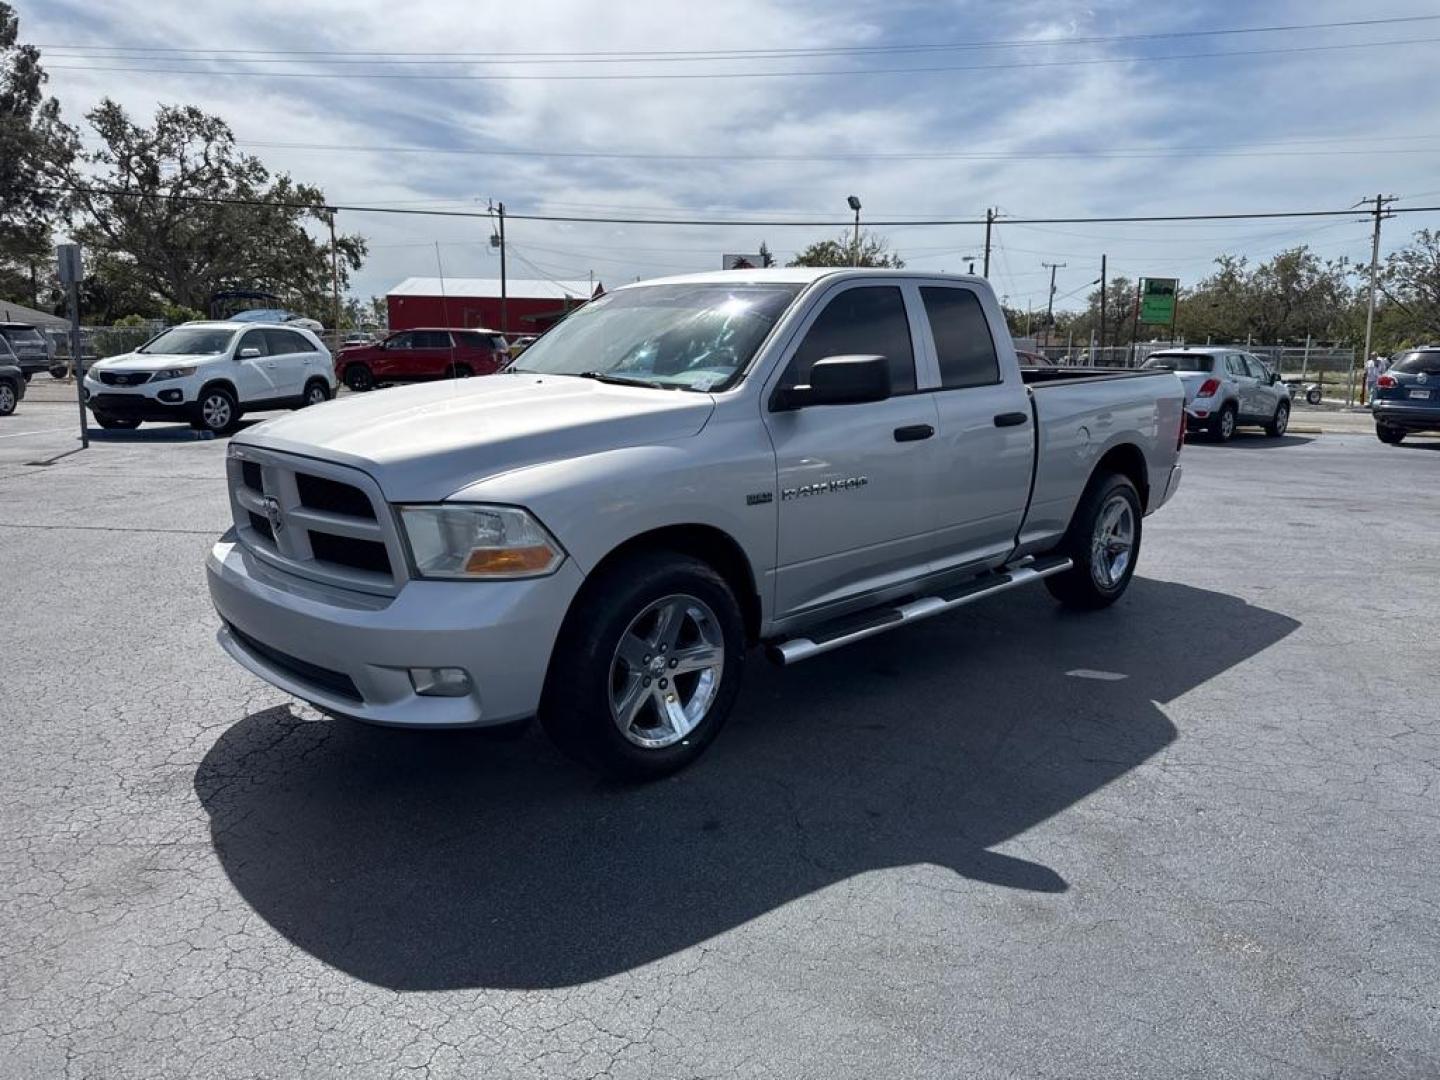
[(209, 373)]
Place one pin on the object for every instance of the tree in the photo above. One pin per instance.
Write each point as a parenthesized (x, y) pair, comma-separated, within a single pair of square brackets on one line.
[(1290, 296), (874, 251), (1409, 312), (152, 207), (33, 143), (766, 259)]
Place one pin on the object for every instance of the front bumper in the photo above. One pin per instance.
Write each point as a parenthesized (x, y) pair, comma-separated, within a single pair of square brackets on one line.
[(137, 406), (1405, 416), (351, 654)]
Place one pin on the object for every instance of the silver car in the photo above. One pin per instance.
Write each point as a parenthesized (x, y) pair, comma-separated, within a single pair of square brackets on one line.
[(1225, 388)]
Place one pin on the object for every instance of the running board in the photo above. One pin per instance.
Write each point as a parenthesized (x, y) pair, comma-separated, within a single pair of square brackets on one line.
[(823, 639)]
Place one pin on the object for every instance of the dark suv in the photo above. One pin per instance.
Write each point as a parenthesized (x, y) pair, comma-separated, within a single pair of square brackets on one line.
[(1407, 397), (421, 354), (31, 350)]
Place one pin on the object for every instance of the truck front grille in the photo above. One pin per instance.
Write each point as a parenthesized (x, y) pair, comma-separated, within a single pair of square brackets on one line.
[(316, 519)]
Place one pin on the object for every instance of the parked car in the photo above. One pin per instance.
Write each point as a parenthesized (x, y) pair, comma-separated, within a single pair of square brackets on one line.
[(682, 468), (32, 351), (12, 385), (1225, 388), (520, 344), (1407, 396), (422, 354), (358, 337), (209, 374)]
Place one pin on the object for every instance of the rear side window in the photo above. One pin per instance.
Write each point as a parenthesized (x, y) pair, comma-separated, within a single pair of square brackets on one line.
[(432, 339), (963, 344), (1419, 363), (1235, 365), (23, 335), (867, 321), (283, 342), (498, 342), (472, 340)]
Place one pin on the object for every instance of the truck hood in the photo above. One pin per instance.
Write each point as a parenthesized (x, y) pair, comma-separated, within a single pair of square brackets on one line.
[(423, 443)]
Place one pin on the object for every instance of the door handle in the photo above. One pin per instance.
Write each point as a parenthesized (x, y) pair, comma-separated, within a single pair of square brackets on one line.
[(913, 433), (1011, 419)]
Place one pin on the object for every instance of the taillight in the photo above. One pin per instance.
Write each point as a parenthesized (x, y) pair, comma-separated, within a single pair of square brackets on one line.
[(1208, 388), (1388, 382)]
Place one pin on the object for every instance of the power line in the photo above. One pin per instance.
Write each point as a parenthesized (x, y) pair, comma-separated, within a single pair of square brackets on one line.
[(1261, 215), (749, 75), (622, 56)]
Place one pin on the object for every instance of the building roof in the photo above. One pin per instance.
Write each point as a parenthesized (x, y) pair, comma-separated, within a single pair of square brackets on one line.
[(20, 313), (489, 288)]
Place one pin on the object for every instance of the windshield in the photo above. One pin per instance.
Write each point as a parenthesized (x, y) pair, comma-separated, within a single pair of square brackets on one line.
[(1419, 363), (189, 341), (693, 337), (1179, 362)]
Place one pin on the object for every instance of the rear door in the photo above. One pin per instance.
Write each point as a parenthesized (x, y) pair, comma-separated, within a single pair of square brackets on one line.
[(289, 352), (986, 444), (432, 357), (1240, 378), (854, 511)]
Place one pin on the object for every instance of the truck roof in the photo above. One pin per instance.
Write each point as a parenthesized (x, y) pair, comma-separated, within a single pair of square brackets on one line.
[(800, 275)]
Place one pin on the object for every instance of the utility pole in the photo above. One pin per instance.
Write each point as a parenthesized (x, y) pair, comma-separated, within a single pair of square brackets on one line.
[(1050, 301), (989, 224), (1381, 201), (498, 209), (1104, 290), (854, 202), (334, 278)]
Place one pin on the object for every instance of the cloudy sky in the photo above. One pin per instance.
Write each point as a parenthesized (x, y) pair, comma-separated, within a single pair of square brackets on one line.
[(922, 109)]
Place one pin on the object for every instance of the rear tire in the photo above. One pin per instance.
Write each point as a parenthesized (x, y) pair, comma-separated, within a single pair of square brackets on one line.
[(1222, 428), (317, 392), (646, 668), (1313, 396), (114, 423), (1389, 435), (1103, 542), (359, 378), (1277, 426), (460, 371)]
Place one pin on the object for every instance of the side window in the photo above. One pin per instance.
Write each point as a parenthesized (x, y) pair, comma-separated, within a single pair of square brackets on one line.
[(299, 342), (866, 321), (432, 339), (1257, 368), (1234, 365), (400, 341), (963, 343), (498, 341), (281, 342), (253, 339)]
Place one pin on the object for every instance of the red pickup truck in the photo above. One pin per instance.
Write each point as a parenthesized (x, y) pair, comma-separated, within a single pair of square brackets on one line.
[(422, 354)]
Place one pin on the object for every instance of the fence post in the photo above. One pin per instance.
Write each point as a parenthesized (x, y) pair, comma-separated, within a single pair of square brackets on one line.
[(1305, 360)]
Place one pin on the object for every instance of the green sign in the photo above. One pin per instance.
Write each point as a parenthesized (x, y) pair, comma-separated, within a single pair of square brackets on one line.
[(1157, 300)]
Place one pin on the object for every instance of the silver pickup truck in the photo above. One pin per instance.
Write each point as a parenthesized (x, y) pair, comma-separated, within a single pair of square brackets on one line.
[(680, 471)]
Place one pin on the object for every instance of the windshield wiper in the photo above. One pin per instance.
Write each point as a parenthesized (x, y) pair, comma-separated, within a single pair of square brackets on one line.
[(624, 380)]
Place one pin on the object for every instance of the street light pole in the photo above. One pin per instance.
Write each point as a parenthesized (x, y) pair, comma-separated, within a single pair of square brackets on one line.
[(854, 202)]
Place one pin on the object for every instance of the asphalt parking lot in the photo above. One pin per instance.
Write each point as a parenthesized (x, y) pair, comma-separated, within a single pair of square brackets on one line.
[(1192, 836)]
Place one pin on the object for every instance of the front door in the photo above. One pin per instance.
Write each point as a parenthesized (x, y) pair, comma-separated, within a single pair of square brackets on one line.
[(854, 512), (393, 358), (253, 368)]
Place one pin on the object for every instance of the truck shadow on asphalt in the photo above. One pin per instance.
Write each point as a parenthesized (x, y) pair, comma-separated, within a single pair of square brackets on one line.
[(432, 861)]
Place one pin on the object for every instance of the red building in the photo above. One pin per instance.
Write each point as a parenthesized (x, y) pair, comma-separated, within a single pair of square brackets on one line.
[(531, 306)]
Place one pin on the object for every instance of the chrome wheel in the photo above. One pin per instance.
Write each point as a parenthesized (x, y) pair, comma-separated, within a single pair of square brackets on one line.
[(1113, 542), (216, 412), (666, 671)]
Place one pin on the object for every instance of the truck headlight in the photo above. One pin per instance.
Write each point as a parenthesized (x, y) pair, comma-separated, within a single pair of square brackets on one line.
[(173, 373), (459, 541)]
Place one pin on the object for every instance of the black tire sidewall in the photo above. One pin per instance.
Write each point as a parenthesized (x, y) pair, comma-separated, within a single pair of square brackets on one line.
[(311, 385), (1278, 427), (359, 378), (12, 402), (1218, 431), (575, 709), (1077, 587)]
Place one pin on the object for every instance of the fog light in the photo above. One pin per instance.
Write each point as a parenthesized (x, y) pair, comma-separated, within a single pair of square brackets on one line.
[(172, 395), (440, 681)]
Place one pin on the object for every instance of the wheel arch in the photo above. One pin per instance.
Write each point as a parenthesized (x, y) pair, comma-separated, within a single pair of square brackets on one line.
[(220, 383), (1128, 460), (712, 546)]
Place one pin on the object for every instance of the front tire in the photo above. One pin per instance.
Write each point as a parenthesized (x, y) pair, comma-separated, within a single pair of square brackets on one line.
[(1281, 421), (646, 668), (216, 412), (1103, 542), (1389, 435), (8, 399)]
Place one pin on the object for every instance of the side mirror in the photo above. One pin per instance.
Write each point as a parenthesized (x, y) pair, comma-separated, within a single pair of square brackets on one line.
[(249, 352), (1275, 379), (842, 380)]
